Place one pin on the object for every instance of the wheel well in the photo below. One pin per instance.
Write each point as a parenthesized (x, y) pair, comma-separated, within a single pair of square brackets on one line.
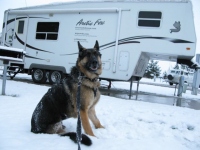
[(48, 67)]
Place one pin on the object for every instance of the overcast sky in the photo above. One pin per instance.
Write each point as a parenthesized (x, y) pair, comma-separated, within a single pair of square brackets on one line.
[(10, 4)]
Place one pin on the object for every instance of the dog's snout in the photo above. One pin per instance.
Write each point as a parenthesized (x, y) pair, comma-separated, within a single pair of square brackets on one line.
[(94, 62), (93, 65)]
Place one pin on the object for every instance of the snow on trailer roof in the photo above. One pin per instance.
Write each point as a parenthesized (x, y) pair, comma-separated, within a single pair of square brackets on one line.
[(103, 1), (11, 49), (10, 58)]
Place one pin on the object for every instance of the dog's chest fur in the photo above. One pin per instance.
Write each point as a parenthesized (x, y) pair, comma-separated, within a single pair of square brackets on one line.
[(89, 89), (90, 94)]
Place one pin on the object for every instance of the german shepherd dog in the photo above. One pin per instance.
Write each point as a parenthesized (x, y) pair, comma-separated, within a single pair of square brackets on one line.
[(59, 102)]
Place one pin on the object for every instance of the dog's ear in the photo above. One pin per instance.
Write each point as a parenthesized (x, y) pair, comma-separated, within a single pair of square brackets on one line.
[(80, 47), (96, 46)]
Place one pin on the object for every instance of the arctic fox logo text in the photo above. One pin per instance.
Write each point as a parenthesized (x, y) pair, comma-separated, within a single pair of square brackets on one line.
[(90, 23), (177, 26)]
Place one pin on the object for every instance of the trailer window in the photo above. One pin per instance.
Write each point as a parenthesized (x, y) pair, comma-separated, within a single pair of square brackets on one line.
[(41, 36), (47, 30), (149, 18), (172, 71), (20, 29)]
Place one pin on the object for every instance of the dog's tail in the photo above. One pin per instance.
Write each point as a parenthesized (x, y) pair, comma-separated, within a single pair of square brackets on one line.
[(85, 139)]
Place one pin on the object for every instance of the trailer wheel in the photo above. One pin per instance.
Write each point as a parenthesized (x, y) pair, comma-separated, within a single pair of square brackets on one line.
[(39, 76), (55, 77)]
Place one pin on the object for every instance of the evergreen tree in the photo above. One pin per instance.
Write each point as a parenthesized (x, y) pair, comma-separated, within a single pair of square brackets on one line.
[(152, 69)]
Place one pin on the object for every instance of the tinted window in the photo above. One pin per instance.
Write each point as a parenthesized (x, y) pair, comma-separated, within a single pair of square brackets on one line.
[(47, 30), (149, 23), (20, 27), (41, 36), (47, 27), (52, 36), (149, 19), (150, 14)]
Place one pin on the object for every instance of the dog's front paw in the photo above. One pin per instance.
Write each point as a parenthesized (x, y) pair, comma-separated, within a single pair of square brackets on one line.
[(99, 126), (102, 127), (91, 134)]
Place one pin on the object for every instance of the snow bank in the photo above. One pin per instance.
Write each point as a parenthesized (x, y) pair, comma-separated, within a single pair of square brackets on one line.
[(128, 124)]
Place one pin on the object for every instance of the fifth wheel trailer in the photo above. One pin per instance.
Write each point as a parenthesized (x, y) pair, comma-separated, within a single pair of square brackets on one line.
[(130, 33)]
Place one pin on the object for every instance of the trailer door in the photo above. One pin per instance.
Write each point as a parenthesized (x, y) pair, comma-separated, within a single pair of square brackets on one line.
[(20, 32)]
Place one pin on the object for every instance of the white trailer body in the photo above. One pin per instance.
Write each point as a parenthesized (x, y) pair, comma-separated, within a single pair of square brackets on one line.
[(130, 33)]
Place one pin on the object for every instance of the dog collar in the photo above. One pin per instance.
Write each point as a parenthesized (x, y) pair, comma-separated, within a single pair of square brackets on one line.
[(82, 75), (92, 80)]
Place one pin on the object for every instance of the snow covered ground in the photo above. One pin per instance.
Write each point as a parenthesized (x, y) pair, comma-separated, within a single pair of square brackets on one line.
[(129, 124)]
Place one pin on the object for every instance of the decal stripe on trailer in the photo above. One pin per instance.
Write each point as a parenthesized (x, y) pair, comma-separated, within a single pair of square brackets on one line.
[(29, 46), (11, 20)]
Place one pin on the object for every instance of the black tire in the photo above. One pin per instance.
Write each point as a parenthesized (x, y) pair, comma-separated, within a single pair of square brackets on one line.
[(55, 77), (39, 76), (170, 83)]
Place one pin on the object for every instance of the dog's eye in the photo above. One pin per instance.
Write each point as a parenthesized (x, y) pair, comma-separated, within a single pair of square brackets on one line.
[(97, 54), (88, 54), (84, 53)]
